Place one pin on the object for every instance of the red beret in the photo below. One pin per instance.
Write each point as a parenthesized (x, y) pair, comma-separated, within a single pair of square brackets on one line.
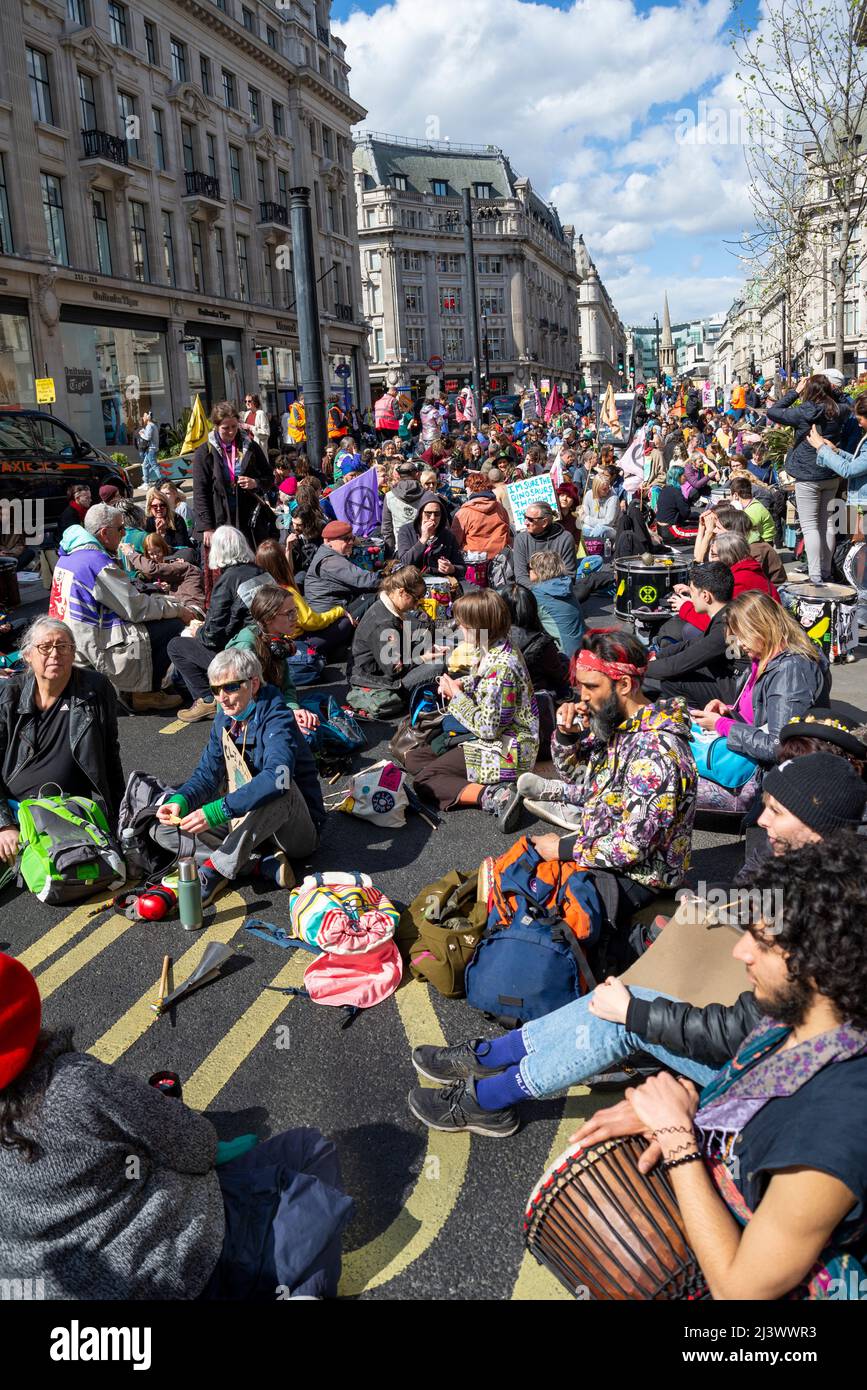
[(337, 531)]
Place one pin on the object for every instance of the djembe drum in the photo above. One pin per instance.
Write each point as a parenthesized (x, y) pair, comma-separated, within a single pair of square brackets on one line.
[(607, 1231)]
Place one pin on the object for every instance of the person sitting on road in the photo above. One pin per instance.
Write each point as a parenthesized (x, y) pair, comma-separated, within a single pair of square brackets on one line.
[(279, 808), (545, 662), (557, 596), (387, 649), (322, 633), (732, 550), (192, 652), (202, 1218), (58, 726), (700, 669), (79, 500), (762, 526), (542, 531), (674, 519), (161, 521), (273, 616), (332, 580), (119, 632), (628, 779), (402, 501), (481, 525), (600, 510), (494, 704), (725, 517), (178, 503), (428, 541), (170, 571)]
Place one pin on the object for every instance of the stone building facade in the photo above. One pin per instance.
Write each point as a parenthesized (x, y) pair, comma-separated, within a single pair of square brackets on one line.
[(146, 157)]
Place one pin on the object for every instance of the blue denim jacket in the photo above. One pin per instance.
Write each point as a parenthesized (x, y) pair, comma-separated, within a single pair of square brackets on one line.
[(851, 466)]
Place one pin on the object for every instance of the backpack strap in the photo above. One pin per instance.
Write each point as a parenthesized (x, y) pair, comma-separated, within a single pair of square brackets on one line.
[(563, 934)]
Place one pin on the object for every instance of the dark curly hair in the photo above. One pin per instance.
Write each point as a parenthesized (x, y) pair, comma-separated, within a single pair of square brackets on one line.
[(822, 926), (22, 1097)]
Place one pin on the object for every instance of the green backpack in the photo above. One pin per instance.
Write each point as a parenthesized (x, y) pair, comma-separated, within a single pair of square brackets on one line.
[(376, 704), (440, 930), (67, 850)]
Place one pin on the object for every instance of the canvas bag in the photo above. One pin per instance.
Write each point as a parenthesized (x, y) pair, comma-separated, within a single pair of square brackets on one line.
[(353, 924), (378, 794), (375, 704), (67, 851), (441, 928)]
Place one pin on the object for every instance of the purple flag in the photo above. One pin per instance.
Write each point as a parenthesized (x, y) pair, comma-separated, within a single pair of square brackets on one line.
[(359, 502)]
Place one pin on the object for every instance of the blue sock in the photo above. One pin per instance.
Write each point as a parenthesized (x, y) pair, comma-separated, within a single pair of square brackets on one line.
[(496, 1092), (502, 1052)]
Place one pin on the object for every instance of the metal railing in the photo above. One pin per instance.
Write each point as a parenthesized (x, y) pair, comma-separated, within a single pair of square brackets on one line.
[(274, 212), (344, 312), (440, 146), (201, 185), (99, 144)]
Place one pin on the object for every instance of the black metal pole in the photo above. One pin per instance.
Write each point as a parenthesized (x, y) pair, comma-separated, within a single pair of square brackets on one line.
[(309, 340), (658, 365), (475, 353)]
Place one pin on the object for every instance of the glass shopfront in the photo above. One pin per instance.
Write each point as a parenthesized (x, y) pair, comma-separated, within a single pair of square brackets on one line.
[(114, 374), (339, 384), (17, 378), (213, 368), (277, 367)]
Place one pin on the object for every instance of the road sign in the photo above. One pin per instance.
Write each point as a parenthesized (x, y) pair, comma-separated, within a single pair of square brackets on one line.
[(435, 363), (45, 392), (343, 370)]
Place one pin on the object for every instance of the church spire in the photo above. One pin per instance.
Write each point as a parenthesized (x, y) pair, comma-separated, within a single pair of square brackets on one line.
[(667, 348), (667, 340)]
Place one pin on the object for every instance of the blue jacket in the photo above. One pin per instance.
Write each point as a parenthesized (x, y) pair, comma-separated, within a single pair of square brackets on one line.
[(275, 753), (556, 597), (851, 466)]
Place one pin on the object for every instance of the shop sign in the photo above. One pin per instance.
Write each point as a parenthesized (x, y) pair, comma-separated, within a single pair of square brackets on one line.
[(103, 297), (215, 314), (79, 381), (285, 325)]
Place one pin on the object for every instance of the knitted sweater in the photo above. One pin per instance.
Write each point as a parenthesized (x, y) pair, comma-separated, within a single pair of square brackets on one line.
[(124, 1202)]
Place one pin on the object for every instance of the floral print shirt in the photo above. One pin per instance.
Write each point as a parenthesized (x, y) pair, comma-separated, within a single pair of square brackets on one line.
[(497, 703)]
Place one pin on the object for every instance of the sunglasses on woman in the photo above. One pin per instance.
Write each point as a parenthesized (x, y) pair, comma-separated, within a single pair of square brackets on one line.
[(229, 688)]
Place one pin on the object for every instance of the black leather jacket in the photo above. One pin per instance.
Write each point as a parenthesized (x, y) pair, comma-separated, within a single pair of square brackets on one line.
[(92, 731), (711, 1035)]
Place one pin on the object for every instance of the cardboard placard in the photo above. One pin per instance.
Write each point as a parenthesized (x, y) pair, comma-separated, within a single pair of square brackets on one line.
[(238, 773), (526, 490)]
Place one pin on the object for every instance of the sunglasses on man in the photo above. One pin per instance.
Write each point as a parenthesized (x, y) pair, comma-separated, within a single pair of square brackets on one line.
[(229, 688)]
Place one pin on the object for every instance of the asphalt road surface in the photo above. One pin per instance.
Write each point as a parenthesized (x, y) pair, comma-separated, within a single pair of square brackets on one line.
[(436, 1216)]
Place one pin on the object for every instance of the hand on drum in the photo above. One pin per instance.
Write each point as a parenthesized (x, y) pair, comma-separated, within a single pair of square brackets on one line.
[(663, 1102), (610, 1000), (614, 1122)]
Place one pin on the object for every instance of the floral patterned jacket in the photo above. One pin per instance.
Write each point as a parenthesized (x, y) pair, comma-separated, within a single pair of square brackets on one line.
[(497, 704), (639, 795)]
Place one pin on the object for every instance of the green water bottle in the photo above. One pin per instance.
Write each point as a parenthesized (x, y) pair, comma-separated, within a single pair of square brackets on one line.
[(189, 895)]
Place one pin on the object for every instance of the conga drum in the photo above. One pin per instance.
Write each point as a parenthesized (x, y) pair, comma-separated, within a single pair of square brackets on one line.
[(607, 1231), (827, 613), (644, 583), (10, 596)]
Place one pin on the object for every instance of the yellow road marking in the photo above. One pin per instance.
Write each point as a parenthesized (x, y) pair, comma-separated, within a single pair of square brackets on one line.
[(137, 1019), (208, 1080), (175, 727), (81, 955), (64, 932), (534, 1282), (437, 1188)]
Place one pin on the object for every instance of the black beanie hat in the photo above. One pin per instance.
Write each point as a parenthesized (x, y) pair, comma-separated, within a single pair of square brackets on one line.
[(822, 790)]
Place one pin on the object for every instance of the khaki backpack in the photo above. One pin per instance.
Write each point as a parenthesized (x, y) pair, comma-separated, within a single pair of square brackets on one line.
[(440, 930)]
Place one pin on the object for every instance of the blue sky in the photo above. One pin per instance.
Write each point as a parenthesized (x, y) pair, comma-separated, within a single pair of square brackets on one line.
[(591, 100)]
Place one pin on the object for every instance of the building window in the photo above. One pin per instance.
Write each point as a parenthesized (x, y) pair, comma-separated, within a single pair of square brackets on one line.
[(370, 217), (269, 273), (851, 317), (278, 118), (187, 146), (178, 53), (492, 301), (440, 188), (373, 260), (255, 105), (221, 5), (414, 299), (211, 150), (40, 90), (375, 298), (55, 222), (248, 20), (151, 42), (490, 265), (100, 229), (230, 91), (5, 222), (76, 11), (235, 172), (377, 347), (331, 209), (399, 182), (169, 249), (449, 265), (159, 140), (243, 268), (415, 344), (482, 191), (453, 344), (129, 124), (117, 24), (138, 228), (326, 142), (205, 75), (271, 36), (198, 258), (496, 338), (409, 217), (410, 260), (450, 299), (261, 183), (87, 101), (283, 187), (220, 252)]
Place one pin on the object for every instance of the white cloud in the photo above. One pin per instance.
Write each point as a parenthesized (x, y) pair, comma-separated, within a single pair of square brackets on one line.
[(547, 85)]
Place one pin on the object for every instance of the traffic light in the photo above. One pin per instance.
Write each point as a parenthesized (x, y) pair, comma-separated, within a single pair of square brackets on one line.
[(620, 361)]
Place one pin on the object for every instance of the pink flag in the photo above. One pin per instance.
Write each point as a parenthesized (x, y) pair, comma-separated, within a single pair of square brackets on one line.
[(632, 463), (554, 405)]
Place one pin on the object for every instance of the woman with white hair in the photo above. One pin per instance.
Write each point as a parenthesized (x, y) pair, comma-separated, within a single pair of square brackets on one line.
[(58, 727), (228, 612), (257, 750)]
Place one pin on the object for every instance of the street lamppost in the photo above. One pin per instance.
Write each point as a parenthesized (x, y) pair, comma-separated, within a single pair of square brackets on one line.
[(658, 368), (486, 351)]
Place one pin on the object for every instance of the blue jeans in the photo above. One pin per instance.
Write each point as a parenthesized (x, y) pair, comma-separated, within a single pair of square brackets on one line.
[(150, 471), (571, 1043)]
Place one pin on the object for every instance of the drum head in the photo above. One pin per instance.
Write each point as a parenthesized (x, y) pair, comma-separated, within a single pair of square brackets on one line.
[(821, 593)]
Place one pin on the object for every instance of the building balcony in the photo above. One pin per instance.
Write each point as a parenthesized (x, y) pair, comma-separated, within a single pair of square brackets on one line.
[(344, 312), (276, 214), (323, 35), (101, 148), (203, 193)]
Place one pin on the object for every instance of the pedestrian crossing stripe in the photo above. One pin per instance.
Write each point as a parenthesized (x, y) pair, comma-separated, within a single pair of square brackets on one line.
[(52, 941), (77, 957), (175, 727)]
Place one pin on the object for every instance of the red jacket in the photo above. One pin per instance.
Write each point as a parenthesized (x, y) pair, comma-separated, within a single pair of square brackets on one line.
[(748, 575)]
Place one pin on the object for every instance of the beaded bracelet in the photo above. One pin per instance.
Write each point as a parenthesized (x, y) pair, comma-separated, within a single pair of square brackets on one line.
[(676, 1162)]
